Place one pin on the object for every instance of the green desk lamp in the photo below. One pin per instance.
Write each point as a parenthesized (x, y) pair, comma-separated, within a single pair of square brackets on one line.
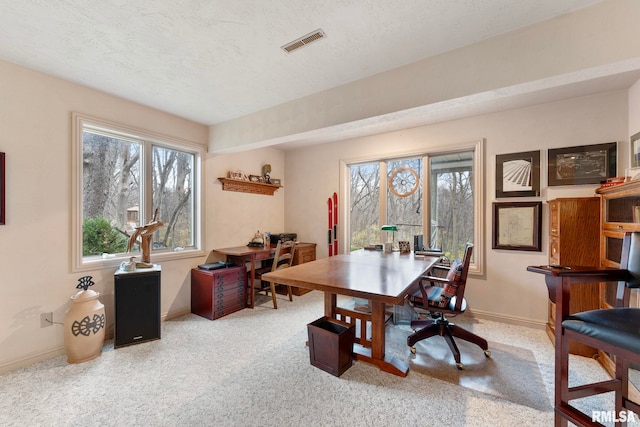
[(393, 229)]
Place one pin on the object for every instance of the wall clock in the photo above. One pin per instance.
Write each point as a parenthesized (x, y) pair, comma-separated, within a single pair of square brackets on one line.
[(403, 182)]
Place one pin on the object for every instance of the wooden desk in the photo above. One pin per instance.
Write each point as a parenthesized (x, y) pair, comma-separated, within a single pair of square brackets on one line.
[(241, 254), (378, 277)]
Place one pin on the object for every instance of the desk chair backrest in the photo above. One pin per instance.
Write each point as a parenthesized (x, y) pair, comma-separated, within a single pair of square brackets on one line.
[(283, 256), (456, 280)]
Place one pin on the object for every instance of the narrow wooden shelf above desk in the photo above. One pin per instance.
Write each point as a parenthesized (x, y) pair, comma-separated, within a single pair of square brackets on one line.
[(243, 186)]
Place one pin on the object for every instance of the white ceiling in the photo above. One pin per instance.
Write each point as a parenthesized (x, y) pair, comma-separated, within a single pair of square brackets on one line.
[(216, 60)]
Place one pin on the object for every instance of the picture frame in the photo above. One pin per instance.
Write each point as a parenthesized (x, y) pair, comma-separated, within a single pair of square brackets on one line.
[(2, 189), (634, 155), (518, 174), (632, 174), (583, 164), (516, 226)]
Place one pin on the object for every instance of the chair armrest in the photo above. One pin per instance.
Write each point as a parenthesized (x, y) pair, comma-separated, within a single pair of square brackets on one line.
[(435, 279)]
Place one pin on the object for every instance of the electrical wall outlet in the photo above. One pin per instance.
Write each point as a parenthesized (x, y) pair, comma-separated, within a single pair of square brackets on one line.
[(46, 319)]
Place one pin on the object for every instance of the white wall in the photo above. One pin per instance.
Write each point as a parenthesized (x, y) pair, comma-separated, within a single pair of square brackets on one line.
[(507, 290), (35, 263)]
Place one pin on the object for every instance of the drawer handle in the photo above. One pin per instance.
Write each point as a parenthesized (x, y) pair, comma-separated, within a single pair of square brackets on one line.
[(619, 227)]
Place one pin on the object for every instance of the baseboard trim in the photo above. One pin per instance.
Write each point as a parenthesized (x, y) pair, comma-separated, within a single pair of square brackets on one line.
[(22, 362), (30, 359), (513, 320), (175, 314)]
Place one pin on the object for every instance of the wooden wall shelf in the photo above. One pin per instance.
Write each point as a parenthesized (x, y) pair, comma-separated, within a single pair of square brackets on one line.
[(243, 186)]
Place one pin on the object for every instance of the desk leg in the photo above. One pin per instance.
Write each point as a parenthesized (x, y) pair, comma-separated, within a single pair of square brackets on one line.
[(252, 277), (376, 354), (330, 302)]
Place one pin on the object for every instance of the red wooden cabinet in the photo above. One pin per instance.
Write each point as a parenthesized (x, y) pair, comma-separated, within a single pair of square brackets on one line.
[(217, 293)]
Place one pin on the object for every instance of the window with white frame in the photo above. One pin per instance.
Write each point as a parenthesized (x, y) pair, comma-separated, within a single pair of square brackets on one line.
[(443, 189), (124, 178)]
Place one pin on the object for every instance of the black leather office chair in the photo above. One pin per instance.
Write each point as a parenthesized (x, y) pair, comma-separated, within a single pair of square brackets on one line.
[(615, 331), (445, 296)]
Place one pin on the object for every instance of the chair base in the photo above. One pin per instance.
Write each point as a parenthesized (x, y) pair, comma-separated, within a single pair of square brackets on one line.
[(442, 327)]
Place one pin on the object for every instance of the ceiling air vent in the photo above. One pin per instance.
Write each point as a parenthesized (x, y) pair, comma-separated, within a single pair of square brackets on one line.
[(304, 40)]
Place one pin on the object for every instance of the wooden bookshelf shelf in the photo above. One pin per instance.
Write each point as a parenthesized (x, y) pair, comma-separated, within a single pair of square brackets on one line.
[(243, 186)]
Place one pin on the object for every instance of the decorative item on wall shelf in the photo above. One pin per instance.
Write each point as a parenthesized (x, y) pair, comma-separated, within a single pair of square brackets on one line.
[(518, 174), (516, 226), (584, 164), (84, 324), (266, 173)]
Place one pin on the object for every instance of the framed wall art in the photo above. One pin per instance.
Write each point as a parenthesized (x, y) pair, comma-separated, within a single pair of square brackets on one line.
[(516, 226), (635, 150), (518, 174), (2, 187), (583, 164)]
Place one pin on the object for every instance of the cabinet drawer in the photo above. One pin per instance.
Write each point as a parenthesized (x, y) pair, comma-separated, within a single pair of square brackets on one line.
[(223, 301), (265, 255)]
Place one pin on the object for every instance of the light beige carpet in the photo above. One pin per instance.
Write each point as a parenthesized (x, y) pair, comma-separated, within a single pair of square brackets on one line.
[(252, 368)]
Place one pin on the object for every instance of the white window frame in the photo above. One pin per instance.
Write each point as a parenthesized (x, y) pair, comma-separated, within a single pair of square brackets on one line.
[(477, 266), (79, 122)]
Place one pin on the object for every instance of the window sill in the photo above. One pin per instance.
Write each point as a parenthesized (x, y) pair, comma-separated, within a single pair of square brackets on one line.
[(114, 262)]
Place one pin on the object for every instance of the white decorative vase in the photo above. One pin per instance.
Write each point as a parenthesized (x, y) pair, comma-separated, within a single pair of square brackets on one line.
[(84, 327)]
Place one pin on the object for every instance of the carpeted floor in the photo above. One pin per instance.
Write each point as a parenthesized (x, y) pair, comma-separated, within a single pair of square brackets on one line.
[(252, 368)]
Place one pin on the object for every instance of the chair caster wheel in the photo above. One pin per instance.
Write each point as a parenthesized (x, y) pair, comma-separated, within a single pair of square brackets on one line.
[(487, 353), (460, 366), (413, 350)]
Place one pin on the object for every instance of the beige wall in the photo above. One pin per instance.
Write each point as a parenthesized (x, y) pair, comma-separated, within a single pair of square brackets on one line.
[(233, 217), (35, 252), (506, 291)]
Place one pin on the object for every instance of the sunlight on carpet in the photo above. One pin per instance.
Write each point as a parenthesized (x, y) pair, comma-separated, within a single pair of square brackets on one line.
[(511, 373)]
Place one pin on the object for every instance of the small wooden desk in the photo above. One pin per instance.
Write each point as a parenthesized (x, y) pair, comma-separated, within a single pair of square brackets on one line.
[(378, 277), (241, 254)]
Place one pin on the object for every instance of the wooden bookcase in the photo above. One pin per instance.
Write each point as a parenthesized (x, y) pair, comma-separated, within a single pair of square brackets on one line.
[(620, 213), (574, 236)]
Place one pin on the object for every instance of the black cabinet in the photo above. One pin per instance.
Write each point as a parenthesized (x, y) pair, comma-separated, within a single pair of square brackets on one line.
[(137, 306)]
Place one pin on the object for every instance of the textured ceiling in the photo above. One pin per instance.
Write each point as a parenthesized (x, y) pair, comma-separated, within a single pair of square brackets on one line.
[(215, 60)]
